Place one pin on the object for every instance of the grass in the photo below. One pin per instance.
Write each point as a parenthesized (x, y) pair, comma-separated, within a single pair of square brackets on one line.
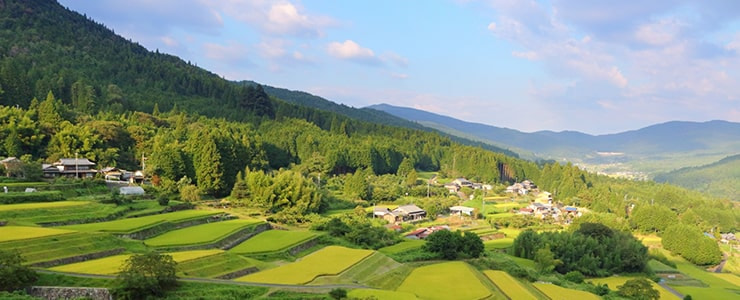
[(25, 206), (560, 293), (614, 282), (650, 240), (660, 267), (522, 261), (272, 240), (13, 233), (213, 266), (402, 247), (510, 286), (450, 280), (380, 294), (369, 269), (134, 224), (200, 234), (112, 264), (330, 260)]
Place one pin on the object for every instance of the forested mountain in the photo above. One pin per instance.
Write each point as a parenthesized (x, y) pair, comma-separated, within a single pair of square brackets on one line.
[(72, 86), (721, 179), (668, 141)]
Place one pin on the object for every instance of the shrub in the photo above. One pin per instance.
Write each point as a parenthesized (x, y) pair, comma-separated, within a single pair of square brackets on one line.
[(638, 288), (13, 275), (574, 276), (145, 275), (338, 293), (44, 196)]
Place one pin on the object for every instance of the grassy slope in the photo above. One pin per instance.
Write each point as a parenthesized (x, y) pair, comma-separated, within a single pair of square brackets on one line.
[(133, 224), (55, 247)]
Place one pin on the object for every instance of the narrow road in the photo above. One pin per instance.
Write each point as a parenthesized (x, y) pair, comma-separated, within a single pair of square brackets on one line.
[(670, 289), (224, 281), (721, 265)]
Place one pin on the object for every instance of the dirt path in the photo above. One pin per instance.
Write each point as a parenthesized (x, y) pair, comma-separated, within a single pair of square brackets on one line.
[(670, 289), (231, 282)]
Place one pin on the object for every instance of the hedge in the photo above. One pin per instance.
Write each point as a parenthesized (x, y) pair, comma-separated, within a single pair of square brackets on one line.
[(44, 196)]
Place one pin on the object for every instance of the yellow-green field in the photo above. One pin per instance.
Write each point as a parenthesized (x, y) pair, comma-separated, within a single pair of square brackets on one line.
[(330, 260), (731, 278), (719, 286), (560, 293), (650, 240), (380, 294), (23, 206), (614, 282), (510, 286), (402, 246), (200, 234), (112, 264), (272, 240), (132, 224), (13, 233), (450, 280), (499, 243)]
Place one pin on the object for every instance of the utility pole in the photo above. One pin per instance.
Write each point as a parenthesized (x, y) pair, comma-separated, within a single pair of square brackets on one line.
[(77, 167)]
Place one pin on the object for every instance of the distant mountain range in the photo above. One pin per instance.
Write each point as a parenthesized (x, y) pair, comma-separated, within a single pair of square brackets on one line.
[(721, 179), (657, 148)]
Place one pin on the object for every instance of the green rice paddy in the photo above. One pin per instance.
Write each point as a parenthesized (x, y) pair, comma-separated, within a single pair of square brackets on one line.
[(272, 240), (200, 234)]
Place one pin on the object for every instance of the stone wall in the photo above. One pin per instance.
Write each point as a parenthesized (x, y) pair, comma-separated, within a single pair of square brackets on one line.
[(238, 273), (298, 248), (168, 226), (53, 293), (226, 243)]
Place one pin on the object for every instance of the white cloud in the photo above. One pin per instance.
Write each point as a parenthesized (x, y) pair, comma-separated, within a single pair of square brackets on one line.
[(275, 18), (233, 52), (350, 50)]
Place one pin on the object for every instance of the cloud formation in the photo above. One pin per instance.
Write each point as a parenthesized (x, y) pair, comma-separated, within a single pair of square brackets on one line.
[(350, 50)]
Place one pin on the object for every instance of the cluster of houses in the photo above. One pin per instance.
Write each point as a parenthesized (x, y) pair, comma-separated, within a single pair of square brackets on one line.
[(459, 183), (521, 188), (557, 211), (422, 233), (84, 168)]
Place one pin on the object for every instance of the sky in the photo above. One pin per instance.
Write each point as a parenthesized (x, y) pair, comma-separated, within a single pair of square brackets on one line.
[(593, 66)]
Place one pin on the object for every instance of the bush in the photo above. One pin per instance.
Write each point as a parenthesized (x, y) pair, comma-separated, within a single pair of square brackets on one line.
[(638, 288), (450, 244), (145, 275), (45, 196), (574, 276), (338, 293), (190, 193), (13, 275)]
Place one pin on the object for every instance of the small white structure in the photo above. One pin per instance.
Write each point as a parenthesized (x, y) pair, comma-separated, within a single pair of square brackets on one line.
[(131, 190), (31, 190), (460, 210)]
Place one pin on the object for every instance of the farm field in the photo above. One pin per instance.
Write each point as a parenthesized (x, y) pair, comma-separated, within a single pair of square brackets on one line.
[(133, 224), (38, 213), (450, 280), (380, 294), (272, 240), (560, 293), (73, 244), (24, 206), (330, 260), (200, 234), (510, 286), (498, 243), (112, 264), (213, 265), (13, 233), (402, 247), (614, 282)]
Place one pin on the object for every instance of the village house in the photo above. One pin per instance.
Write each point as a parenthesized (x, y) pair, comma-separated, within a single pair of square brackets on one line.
[(461, 210), (70, 167), (452, 187), (386, 214), (523, 188), (422, 233), (462, 182), (410, 212), (11, 165)]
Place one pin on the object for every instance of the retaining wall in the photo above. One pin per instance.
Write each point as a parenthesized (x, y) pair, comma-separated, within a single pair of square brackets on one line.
[(53, 293)]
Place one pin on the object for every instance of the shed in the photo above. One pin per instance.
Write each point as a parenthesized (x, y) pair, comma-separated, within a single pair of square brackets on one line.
[(460, 210), (131, 190)]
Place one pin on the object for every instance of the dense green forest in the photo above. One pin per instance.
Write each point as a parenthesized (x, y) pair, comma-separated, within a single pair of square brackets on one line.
[(73, 86), (719, 179)]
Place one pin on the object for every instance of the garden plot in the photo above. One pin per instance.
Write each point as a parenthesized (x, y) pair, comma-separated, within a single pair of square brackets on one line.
[(615, 282), (560, 293), (451, 280), (13, 233), (112, 264), (510, 286), (135, 224), (213, 266), (272, 241), (201, 234), (330, 260)]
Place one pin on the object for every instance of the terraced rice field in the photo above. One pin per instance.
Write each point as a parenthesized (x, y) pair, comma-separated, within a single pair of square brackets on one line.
[(272, 241), (499, 243), (402, 247), (25, 206), (112, 264), (68, 245), (213, 266), (450, 280), (615, 282), (330, 260), (134, 224), (370, 270), (560, 293), (510, 286), (14, 233), (380, 294), (200, 234)]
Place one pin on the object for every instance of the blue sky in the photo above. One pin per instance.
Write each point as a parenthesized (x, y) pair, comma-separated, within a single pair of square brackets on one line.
[(593, 66)]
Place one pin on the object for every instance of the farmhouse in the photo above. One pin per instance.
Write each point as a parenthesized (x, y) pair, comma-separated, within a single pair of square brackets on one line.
[(422, 233), (522, 188), (410, 212), (461, 210), (70, 167), (11, 165), (386, 214), (462, 182), (452, 187)]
